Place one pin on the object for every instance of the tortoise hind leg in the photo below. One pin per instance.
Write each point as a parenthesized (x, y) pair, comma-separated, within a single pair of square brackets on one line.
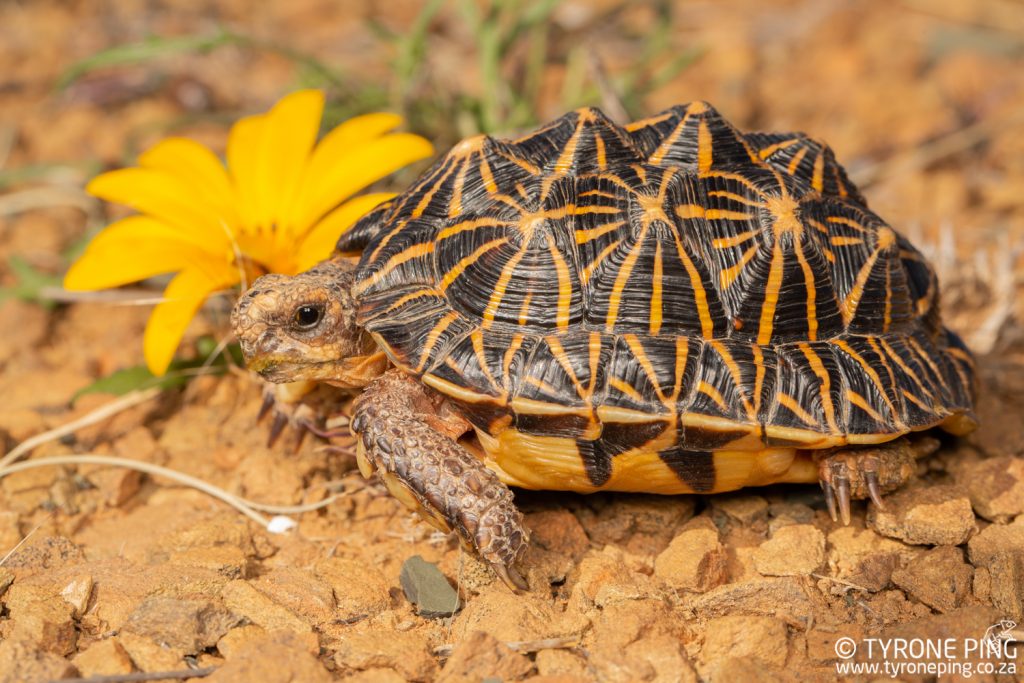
[(869, 472), (410, 441)]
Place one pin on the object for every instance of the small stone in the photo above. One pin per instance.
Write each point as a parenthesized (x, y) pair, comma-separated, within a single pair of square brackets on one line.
[(22, 661), (226, 560), (77, 594), (794, 550), (781, 597), (426, 587), (148, 655), (186, 625), (939, 578), (926, 515), (604, 579), (641, 524), (237, 639), (996, 487), (695, 559), (243, 599), (864, 558), (405, 652), (763, 639), (359, 588), (558, 531), (996, 539), (747, 510), (560, 663), (982, 584), (37, 618), (103, 658), (480, 656), (281, 657), (50, 552), (299, 591), (1007, 583)]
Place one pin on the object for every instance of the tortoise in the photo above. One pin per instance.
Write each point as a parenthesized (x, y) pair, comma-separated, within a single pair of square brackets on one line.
[(669, 306)]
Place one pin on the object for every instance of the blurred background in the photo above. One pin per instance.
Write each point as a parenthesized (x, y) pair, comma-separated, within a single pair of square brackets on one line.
[(922, 100)]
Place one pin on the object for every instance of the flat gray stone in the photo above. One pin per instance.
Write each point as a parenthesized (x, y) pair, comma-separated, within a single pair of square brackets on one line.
[(426, 587)]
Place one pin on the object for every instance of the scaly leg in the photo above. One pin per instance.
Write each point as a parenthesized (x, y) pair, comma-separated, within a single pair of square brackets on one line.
[(408, 437), (869, 472)]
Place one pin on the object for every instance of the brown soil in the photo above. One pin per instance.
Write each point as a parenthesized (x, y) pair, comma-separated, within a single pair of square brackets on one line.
[(122, 572)]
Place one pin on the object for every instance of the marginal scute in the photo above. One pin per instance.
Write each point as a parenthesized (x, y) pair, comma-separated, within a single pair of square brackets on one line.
[(654, 294)]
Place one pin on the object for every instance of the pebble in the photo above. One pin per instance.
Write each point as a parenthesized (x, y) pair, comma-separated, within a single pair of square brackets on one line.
[(148, 655), (793, 550), (243, 599), (926, 515), (995, 487), (763, 639), (22, 661), (426, 587), (939, 578), (480, 656), (405, 652), (282, 657), (782, 597), (366, 597), (187, 625), (103, 658), (747, 510), (1006, 589), (864, 558), (695, 559), (996, 539)]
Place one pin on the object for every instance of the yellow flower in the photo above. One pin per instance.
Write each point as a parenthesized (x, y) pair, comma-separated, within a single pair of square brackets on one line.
[(279, 206)]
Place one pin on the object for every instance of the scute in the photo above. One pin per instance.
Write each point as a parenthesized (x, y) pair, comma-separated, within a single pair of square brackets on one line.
[(664, 289)]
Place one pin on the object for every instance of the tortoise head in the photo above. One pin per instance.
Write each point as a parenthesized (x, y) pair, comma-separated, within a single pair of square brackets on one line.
[(304, 328)]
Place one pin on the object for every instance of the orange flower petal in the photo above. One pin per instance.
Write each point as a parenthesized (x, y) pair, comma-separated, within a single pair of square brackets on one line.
[(319, 242), (134, 249), (169, 320), (351, 172)]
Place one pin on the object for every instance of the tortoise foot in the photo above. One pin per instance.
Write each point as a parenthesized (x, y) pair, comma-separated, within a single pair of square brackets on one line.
[(298, 407), (397, 435), (868, 472)]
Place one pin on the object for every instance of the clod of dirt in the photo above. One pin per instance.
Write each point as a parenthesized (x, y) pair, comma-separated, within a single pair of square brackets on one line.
[(104, 658), (404, 652), (695, 559), (996, 487), (783, 597), (939, 578), (426, 587), (281, 657), (996, 539), (603, 579), (242, 598), (793, 550), (926, 515), (763, 639), (481, 656), (864, 558), (359, 589), (22, 661), (566, 664), (747, 510), (187, 625), (149, 655), (50, 552), (299, 591), (1007, 583)]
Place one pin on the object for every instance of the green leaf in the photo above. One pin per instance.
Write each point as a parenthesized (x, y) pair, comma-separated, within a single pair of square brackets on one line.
[(139, 378), (30, 283)]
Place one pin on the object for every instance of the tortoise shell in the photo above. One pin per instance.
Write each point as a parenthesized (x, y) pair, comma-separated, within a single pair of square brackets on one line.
[(607, 304)]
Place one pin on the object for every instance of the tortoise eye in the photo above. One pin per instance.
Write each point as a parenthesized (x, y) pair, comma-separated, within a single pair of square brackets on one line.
[(307, 316)]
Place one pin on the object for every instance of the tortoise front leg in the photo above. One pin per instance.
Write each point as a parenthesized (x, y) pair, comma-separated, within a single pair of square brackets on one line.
[(400, 434)]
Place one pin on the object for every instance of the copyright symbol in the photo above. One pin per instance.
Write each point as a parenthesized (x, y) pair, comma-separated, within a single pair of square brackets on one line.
[(846, 648)]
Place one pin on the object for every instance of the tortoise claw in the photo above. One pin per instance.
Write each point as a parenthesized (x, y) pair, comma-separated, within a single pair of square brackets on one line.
[(510, 577), (874, 490), (843, 496), (268, 403), (276, 427), (830, 499)]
